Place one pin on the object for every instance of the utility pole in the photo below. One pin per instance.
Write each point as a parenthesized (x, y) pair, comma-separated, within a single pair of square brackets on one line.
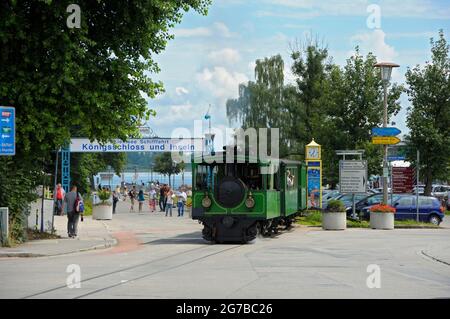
[(385, 148), (386, 72), (417, 185)]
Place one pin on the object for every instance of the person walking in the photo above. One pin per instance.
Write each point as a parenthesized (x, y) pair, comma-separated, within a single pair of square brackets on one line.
[(169, 201), (115, 197), (132, 195), (152, 200), (141, 200), (72, 200), (182, 198), (59, 196), (162, 191)]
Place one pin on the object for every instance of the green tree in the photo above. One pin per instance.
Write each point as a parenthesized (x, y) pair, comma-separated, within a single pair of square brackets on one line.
[(88, 81), (353, 101), (165, 165), (261, 104), (310, 68), (86, 165), (429, 116)]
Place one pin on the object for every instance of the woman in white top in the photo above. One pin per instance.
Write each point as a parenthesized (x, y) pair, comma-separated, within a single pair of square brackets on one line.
[(169, 202), (152, 200)]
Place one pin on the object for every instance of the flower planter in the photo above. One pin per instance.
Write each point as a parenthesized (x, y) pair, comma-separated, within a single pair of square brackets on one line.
[(334, 221), (102, 212), (381, 220)]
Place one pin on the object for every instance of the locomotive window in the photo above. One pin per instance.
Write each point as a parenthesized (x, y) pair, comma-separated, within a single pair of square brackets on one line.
[(251, 175), (201, 178), (208, 175)]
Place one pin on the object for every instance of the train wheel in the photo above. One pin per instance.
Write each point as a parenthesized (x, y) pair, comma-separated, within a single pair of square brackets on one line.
[(207, 233)]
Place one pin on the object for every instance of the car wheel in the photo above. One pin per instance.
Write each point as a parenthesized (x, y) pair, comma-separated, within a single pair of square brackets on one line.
[(435, 220)]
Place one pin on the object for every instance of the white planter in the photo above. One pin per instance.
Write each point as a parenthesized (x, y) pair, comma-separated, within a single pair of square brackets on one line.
[(381, 220), (334, 221), (102, 212)]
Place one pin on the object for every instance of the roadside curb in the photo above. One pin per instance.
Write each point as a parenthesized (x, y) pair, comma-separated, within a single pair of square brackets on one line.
[(108, 244)]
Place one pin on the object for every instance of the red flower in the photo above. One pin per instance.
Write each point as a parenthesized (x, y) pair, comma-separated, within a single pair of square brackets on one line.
[(380, 208)]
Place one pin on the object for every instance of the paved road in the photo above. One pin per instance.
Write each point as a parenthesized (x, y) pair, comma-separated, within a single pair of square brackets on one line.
[(163, 257)]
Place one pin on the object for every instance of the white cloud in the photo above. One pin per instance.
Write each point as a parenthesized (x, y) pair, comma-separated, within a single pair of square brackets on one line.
[(389, 8), (194, 32), (181, 91), (225, 56), (375, 42), (222, 29), (222, 83), (216, 29)]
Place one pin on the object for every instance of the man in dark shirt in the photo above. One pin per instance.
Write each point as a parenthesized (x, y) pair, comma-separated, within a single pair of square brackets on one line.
[(72, 215)]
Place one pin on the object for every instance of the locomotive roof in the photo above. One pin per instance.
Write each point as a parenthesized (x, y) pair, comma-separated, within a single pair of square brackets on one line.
[(218, 157)]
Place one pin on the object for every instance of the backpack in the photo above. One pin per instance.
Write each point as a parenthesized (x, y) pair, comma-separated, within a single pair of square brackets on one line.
[(79, 205)]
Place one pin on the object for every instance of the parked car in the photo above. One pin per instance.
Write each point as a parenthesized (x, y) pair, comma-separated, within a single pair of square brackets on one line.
[(371, 200), (440, 191), (430, 209), (379, 190), (327, 195), (347, 199)]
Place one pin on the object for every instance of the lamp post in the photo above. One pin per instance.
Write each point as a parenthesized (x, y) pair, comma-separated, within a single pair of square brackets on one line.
[(386, 72)]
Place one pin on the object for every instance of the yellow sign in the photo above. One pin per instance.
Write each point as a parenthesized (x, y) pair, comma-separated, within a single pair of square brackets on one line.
[(385, 140)]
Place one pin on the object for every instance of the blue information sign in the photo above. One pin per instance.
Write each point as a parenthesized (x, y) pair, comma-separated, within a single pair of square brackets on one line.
[(7, 131), (385, 131)]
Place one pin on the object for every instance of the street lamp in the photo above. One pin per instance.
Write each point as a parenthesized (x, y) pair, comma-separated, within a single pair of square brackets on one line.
[(386, 72)]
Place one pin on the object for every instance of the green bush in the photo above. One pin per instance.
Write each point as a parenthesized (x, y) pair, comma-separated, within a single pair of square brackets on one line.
[(87, 207), (335, 206), (104, 195), (17, 186)]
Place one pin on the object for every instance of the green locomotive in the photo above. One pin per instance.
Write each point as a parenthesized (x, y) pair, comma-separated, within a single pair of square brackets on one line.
[(234, 201)]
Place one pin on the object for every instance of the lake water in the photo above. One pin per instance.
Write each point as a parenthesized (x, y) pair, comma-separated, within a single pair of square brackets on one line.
[(143, 177)]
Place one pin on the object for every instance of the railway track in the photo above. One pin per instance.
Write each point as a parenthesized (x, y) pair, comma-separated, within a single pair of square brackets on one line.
[(106, 281)]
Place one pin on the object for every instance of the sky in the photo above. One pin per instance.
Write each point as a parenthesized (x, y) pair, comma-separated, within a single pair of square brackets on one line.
[(211, 55)]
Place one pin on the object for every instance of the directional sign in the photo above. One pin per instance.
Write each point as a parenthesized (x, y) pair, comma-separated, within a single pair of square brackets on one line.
[(385, 140), (352, 177), (402, 180), (7, 131), (385, 131), (396, 158)]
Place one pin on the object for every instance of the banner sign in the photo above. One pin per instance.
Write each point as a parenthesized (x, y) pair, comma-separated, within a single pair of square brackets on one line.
[(352, 177), (83, 145), (314, 186)]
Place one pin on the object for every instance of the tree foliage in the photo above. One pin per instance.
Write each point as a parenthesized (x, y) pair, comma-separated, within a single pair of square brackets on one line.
[(165, 165), (88, 81), (338, 106), (429, 116)]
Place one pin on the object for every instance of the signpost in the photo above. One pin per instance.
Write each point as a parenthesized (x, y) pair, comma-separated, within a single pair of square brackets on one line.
[(7, 131), (402, 180), (385, 140), (352, 177), (386, 131)]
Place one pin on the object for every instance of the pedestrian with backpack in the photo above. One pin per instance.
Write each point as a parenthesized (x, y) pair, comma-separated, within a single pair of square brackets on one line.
[(75, 209)]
